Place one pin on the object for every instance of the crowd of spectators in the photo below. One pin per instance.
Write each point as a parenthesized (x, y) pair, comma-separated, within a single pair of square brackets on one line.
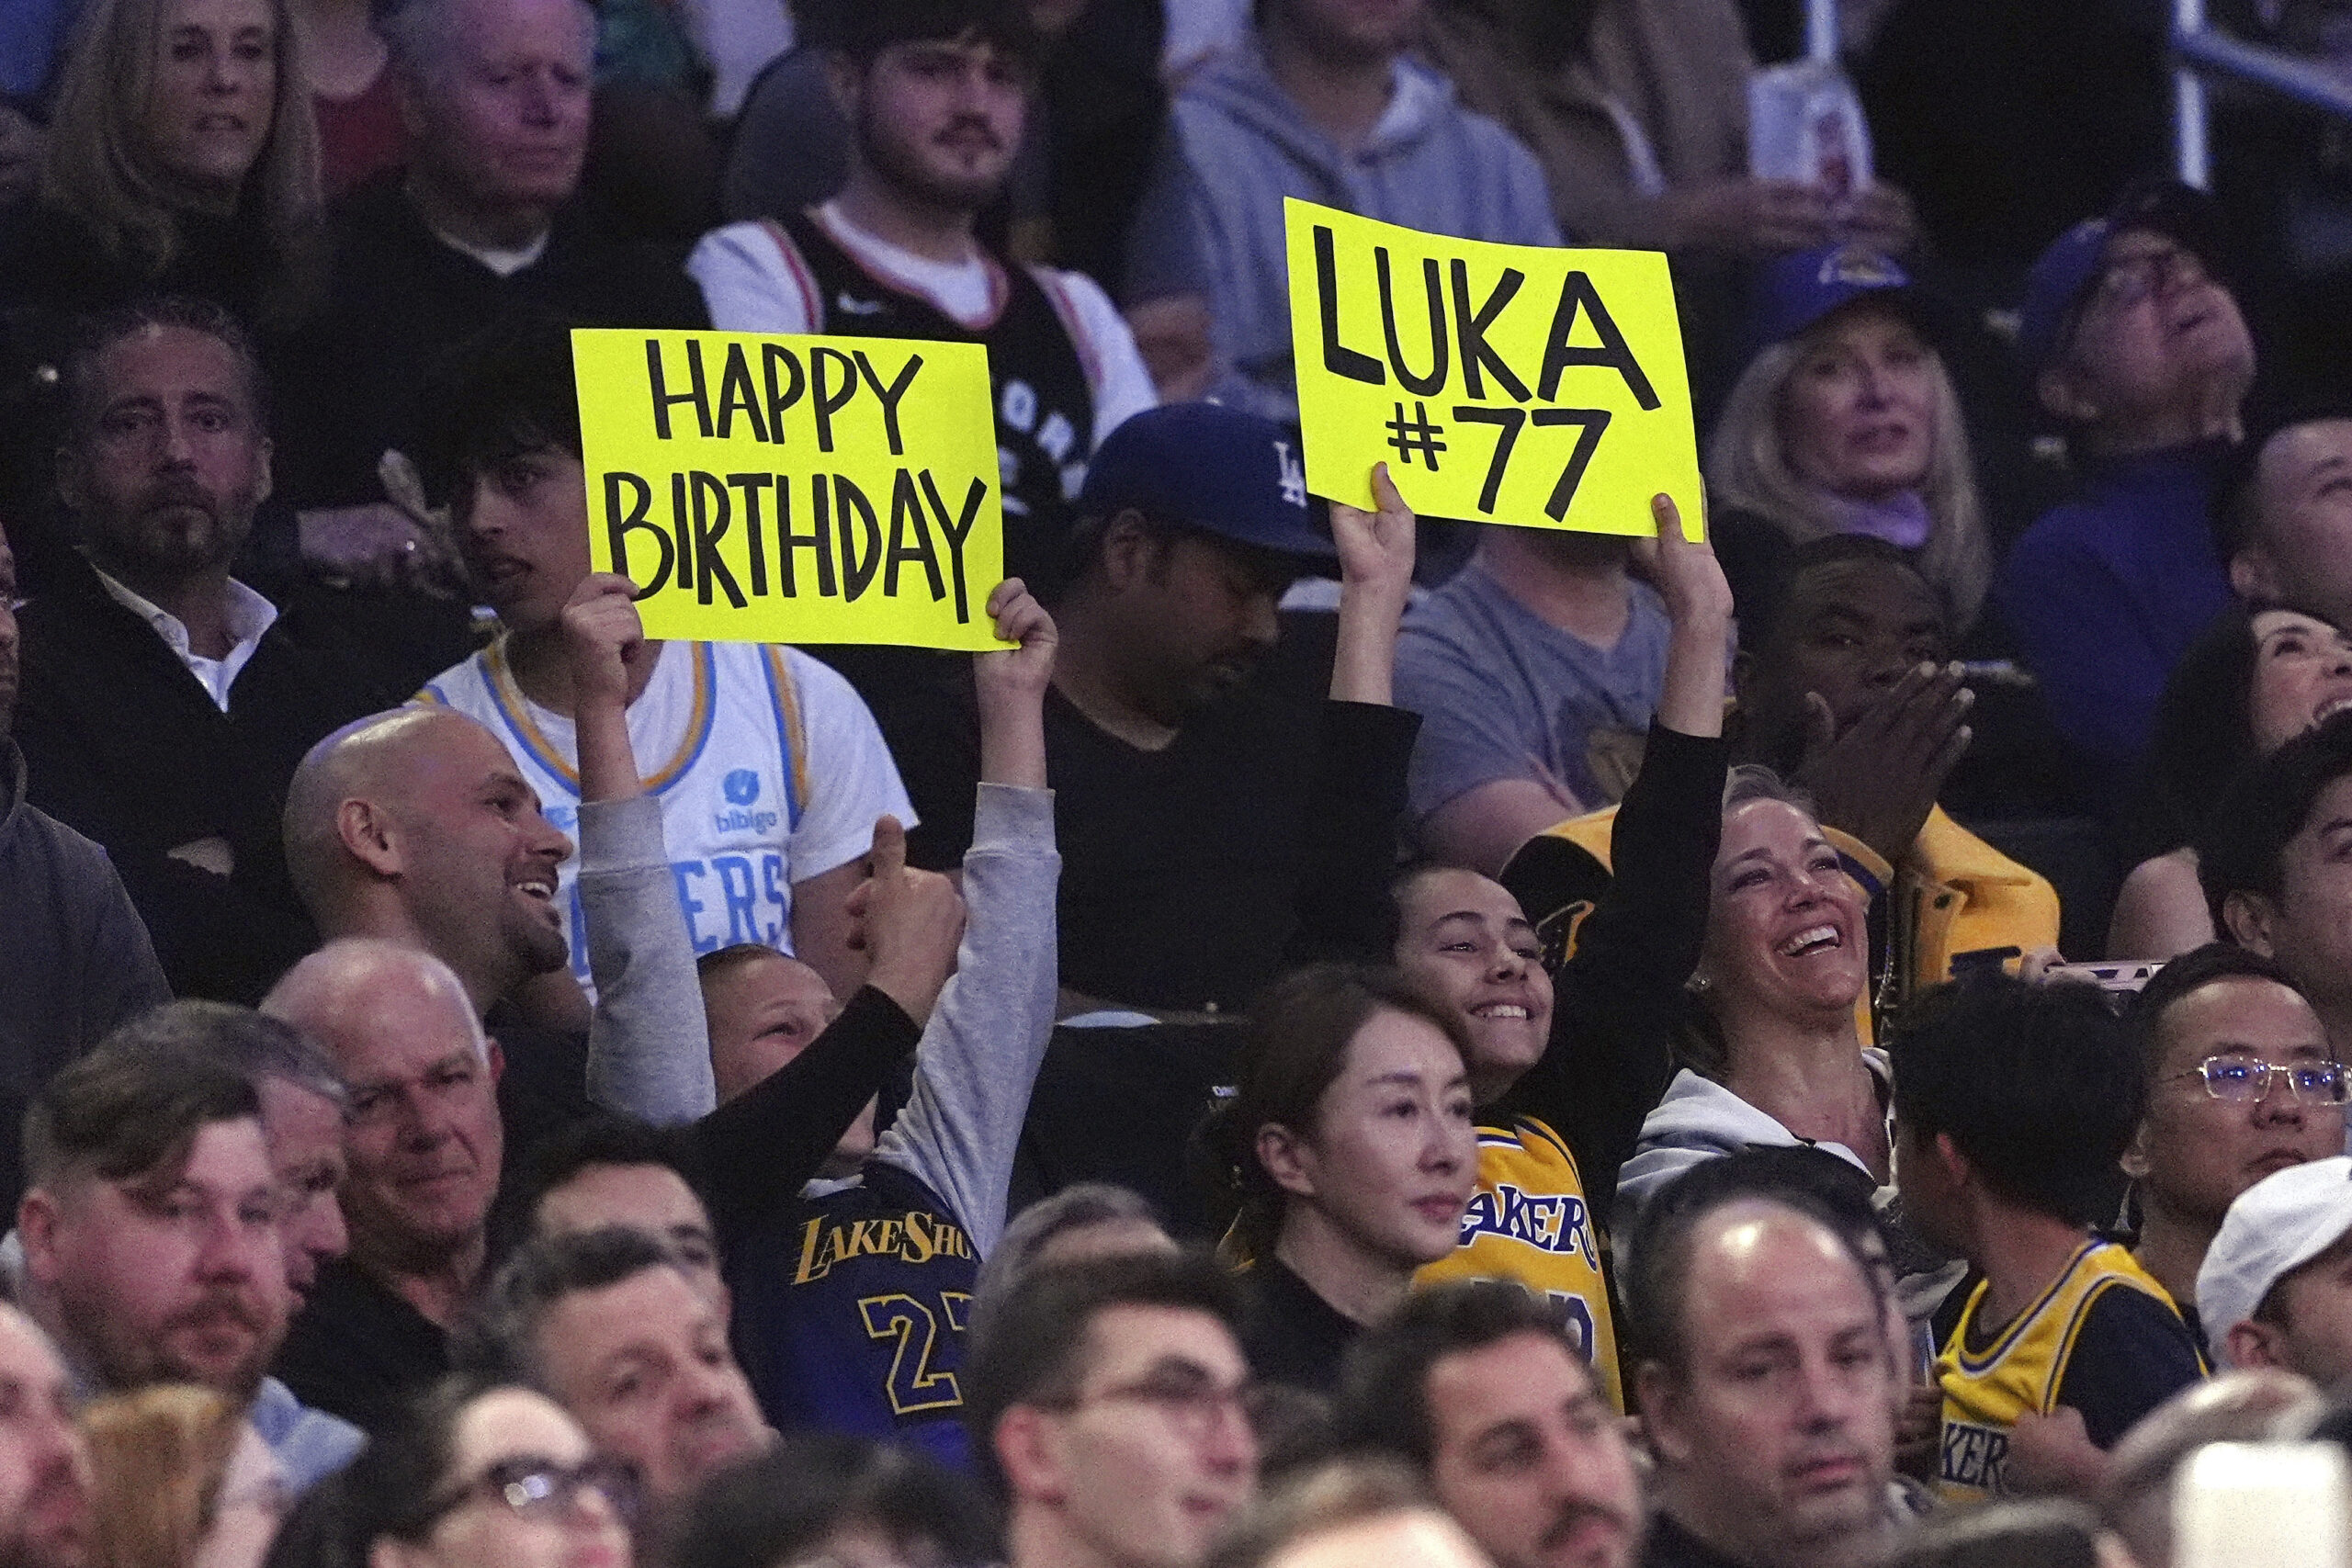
[(1347, 1036)]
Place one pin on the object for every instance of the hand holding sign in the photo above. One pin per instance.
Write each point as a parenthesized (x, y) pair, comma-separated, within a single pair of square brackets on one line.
[(1511, 384), (773, 489)]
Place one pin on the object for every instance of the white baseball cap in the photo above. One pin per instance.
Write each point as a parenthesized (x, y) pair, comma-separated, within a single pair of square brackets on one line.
[(2277, 1226)]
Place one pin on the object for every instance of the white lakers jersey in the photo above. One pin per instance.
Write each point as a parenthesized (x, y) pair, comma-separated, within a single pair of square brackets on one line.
[(769, 769)]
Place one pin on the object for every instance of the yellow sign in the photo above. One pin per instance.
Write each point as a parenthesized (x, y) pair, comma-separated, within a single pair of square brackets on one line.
[(1499, 383), (761, 487)]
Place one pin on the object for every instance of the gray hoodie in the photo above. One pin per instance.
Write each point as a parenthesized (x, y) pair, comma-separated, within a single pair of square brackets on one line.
[(1428, 164)]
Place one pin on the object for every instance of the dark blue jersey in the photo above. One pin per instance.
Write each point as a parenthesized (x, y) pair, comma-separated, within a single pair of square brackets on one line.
[(858, 1301)]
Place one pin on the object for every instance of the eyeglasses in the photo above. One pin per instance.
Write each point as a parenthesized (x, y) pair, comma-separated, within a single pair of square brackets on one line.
[(541, 1489), (2240, 1081), (1194, 1408), (2127, 280)]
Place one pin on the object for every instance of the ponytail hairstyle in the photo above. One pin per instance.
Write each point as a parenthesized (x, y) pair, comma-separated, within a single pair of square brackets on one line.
[(1295, 1047)]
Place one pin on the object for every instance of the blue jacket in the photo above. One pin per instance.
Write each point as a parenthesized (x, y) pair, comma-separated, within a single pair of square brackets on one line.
[(1428, 164)]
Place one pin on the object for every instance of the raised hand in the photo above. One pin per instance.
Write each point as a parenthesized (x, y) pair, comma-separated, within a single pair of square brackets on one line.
[(907, 922), (1376, 548), (604, 639), (1879, 780)]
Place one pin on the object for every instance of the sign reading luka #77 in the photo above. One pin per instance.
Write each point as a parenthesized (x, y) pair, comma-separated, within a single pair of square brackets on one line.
[(760, 488), (1499, 383)]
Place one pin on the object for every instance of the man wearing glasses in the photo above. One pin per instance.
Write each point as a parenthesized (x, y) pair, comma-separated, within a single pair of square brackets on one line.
[(2137, 351), (1107, 1403), (2242, 1083)]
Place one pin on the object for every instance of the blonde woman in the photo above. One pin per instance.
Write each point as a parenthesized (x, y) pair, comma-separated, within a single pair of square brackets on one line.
[(180, 1481), (1844, 422), (183, 158)]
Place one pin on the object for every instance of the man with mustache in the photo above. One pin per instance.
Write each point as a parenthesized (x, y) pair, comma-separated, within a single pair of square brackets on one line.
[(1474, 1383), (1766, 1387), (150, 1233), (166, 703), (937, 98), (44, 1461)]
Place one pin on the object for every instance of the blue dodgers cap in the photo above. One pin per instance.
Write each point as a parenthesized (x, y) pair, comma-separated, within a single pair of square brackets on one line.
[(1796, 292), (1235, 475), (2063, 273)]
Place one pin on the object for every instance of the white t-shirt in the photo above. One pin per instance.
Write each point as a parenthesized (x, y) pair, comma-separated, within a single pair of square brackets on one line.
[(769, 769), (753, 284)]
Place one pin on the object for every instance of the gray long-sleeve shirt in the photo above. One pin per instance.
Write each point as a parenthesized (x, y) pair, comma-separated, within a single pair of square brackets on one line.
[(649, 1045)]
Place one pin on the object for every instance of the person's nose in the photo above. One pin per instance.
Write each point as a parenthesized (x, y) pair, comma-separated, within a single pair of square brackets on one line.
[(538, 100), (176, 445), (1508, 963), (233, 1250), (1230, 1444), (549, 841)]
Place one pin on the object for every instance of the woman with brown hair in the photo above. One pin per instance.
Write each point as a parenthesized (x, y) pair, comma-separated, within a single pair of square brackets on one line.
[(1345, 1157), (180, 1481)]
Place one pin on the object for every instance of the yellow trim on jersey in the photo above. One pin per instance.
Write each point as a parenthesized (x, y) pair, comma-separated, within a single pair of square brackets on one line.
[(2021, 1371), (1528, 1221), (795, 750), (515, 708)]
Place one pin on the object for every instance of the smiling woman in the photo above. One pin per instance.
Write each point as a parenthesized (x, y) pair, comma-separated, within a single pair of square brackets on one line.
[(1775, 1057)]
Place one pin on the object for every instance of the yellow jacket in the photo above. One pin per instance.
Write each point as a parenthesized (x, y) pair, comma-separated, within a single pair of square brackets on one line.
[(1953, 894)]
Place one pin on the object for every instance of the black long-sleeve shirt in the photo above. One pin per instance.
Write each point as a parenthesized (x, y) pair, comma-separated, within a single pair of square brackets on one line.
[(1619, 995)]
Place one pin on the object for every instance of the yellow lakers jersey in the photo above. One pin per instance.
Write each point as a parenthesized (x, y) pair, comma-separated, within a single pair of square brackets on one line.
[(1529, 1222), (1986, 1391)]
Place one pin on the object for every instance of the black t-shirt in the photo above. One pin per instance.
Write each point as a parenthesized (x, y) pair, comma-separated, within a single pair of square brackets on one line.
[(360, 1351), (1290, 1334), (1261, 837), (1671, 1546), (2134, 1353)]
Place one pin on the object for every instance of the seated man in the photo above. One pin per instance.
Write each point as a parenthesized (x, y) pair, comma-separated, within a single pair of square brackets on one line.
[(2241, 1083), (618, 1333), (771, 770), (165, 704), (1475, 1385), (1534, 672), (79, 961), (152, 1245), (2281, 520), (2012, 1103), (2277, 1283), (2136, 347), (44, 1459), (1213, 829), (2268, 861), (1766, 1387), (1326, 104), (485, 223), (1842, 686), (1108, 1405), (939, 96)]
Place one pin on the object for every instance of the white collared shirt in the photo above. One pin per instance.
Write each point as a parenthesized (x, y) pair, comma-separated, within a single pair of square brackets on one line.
[(250, 615)]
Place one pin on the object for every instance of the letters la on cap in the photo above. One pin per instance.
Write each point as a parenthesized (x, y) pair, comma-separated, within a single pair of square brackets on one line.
[(1216, 468)]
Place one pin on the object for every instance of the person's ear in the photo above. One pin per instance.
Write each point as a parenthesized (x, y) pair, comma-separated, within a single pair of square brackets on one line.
[(844, 84), (390, 1551), (1128, 549), (1029, 1449), (2063, 393), (264, 474), (369, 835), (495, 1057), (36, 1218), (1661, 1413), (71, 488), (2252, 921), (2257, 1344), (1957, 1170), (2134, 1162), (1287, 1160)]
